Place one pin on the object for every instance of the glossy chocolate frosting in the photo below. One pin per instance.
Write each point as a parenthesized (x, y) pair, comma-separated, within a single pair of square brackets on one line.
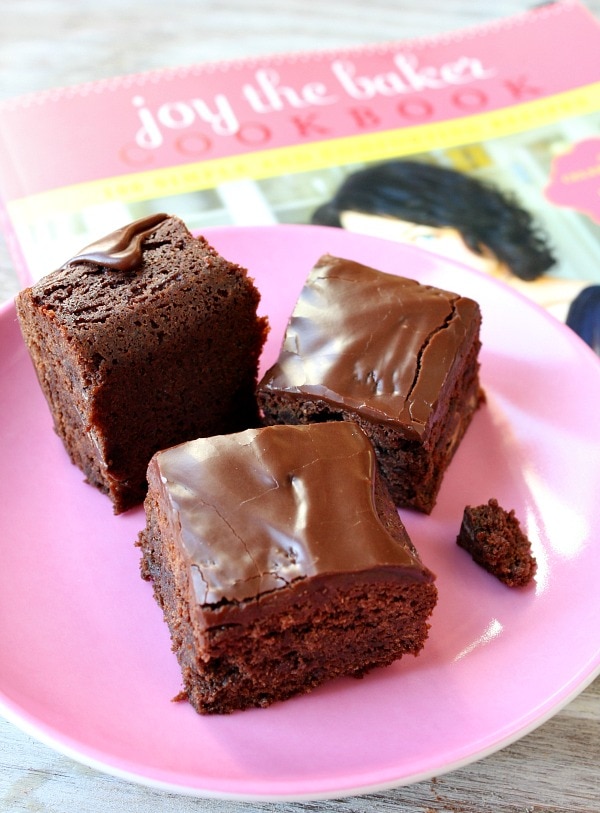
[(122, 249), (374, 343), (264, 508)]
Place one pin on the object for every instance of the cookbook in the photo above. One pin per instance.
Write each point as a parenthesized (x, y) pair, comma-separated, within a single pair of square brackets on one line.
[(491, 133)]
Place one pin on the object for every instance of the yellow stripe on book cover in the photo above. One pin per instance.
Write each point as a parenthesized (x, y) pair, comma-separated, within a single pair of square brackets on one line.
[(270, 163)]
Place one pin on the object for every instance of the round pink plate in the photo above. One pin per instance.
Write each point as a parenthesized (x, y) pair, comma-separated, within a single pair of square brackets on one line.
[(85, 660)]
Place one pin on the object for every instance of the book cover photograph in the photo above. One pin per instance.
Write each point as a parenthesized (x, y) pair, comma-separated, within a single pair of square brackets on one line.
[(481, 145)]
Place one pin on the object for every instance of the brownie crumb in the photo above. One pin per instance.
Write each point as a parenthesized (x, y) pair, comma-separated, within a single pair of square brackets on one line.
[(495, 540)]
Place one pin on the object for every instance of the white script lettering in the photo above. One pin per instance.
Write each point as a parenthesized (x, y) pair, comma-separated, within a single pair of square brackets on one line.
[(178, 115), (269, 95), (408, 77)]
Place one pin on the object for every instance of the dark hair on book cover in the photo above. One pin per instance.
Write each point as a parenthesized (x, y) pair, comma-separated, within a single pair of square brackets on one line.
[(431, 195)]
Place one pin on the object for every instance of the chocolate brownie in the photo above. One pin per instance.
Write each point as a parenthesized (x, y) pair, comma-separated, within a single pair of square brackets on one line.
[(495, 540), (145, 339), (280, 562), (397, 357)]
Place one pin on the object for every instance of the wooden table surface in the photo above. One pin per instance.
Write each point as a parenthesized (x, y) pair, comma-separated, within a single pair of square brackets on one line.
[(44, 43)]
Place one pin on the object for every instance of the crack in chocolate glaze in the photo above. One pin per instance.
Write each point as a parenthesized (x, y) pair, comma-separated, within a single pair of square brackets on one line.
[(426, 344), (359, 341), (247, 537), (259, 574)]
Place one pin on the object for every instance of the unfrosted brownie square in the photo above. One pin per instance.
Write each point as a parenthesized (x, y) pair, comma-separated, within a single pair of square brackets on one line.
[(145, 339)]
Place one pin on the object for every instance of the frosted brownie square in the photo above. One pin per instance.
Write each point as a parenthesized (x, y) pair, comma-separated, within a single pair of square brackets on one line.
[(395, 356), (280, 562)]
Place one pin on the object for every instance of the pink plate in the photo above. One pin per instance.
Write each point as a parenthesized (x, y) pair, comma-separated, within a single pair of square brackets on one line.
[(85, 661)]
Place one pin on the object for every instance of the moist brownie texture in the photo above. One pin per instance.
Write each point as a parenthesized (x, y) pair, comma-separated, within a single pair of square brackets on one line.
[(397, 357), (495, 540), (280, 562), (145, 339)]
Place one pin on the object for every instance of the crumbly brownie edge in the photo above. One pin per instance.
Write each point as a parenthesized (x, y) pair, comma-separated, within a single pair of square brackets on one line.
[(58, 370)]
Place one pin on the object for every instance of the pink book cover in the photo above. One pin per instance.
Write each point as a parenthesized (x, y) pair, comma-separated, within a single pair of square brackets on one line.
[(513, 106)]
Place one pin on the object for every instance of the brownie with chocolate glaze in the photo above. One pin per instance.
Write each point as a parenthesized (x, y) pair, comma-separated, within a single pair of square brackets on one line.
[(399, 358), (143, 340), (280, 562)]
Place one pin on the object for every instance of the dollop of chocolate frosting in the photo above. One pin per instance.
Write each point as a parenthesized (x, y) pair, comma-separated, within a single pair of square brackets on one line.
[(122, 249), (260, 509), (371, 342)]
